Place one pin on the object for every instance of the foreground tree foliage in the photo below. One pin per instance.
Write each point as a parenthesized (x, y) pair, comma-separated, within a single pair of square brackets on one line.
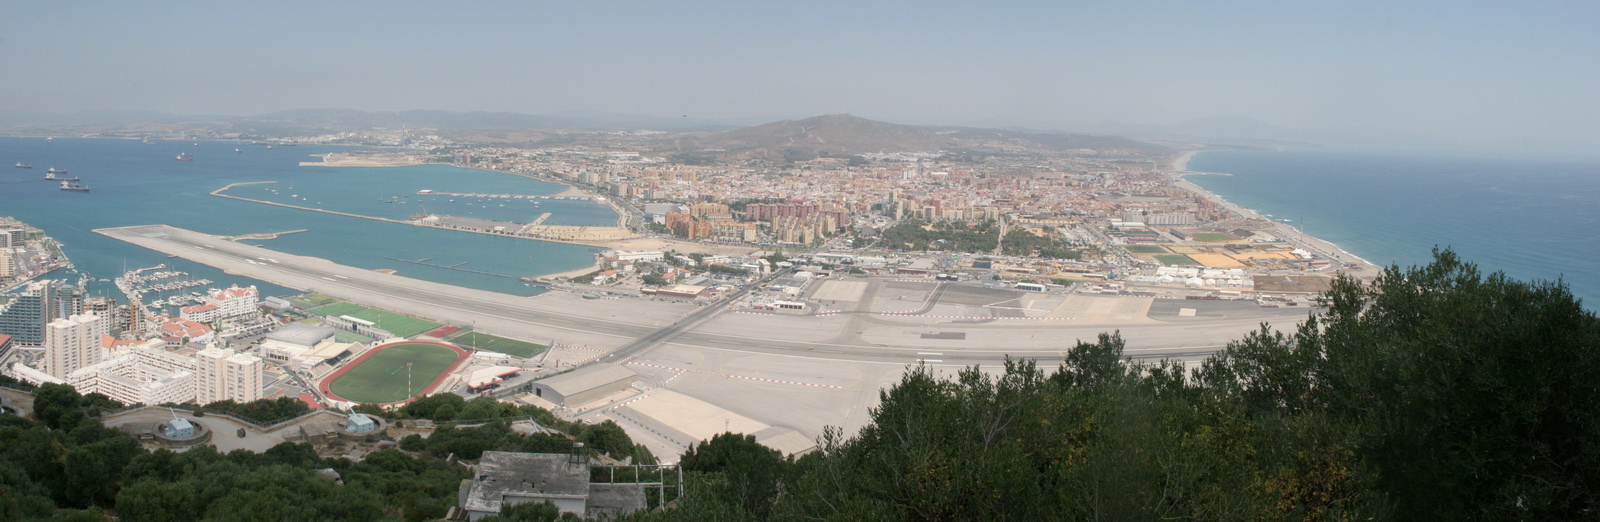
[(65, 465), (1434, 393)]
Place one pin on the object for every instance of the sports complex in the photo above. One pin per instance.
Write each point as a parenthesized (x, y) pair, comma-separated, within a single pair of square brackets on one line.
[(380, 375)]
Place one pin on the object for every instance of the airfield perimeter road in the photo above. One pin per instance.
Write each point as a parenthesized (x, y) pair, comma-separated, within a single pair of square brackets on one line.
[(613, 323)]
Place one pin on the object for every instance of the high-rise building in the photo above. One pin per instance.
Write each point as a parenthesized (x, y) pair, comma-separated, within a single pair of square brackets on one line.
[(222, 375), (68, 301), (71, 343), (106, 308), (7, 268), (13, 236), (25, 316)]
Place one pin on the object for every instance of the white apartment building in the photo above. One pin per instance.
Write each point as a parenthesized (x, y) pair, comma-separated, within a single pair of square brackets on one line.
[(233, 301), (222, 375), (153, 374), (72, 343), (131, 379)]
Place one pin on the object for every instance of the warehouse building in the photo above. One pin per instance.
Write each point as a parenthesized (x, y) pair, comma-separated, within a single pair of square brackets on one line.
[(584, 384)]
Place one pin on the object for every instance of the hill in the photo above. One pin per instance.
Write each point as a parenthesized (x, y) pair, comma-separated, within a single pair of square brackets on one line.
[(845, 135)]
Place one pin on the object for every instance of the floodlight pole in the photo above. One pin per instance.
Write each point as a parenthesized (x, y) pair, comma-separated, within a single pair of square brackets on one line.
[(408, 380)]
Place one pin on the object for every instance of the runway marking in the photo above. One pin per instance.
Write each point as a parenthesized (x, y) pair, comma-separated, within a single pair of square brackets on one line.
[(930, 353), (626, 402), (732, 376)]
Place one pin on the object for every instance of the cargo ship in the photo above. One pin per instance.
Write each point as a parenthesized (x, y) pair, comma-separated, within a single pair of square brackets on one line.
[(59, 175), (73, 186), (53, 170), (22, 165), (184, 156)]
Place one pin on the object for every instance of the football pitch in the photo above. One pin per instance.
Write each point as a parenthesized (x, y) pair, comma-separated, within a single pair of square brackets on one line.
[(1213, 237), (399, 325), (381, 378), (499, 344), (1176, 260)]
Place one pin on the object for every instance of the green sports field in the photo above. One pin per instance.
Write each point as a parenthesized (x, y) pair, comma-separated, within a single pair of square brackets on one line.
[(1213, 237), (381, 378), (1146, 249), (1176, 260), (499, 344), (397, 324)]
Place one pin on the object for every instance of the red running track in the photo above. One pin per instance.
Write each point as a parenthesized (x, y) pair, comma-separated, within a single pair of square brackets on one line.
[(461, 357)]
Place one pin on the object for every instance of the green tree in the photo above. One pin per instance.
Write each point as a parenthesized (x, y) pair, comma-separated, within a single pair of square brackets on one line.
[(530, 512), (607, 437), (754, 472), (20, 497)]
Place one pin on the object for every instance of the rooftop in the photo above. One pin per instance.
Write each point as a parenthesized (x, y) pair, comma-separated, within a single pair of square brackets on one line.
[(587, 378), (300, 334), (529, 475)]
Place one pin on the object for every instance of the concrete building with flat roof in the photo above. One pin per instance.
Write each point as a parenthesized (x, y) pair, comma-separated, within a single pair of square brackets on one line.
[(291, 341), (504, 478), (130, 379), (584, 384), (222, 375)]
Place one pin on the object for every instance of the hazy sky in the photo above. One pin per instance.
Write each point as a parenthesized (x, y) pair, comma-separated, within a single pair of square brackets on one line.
[(1505, 70)]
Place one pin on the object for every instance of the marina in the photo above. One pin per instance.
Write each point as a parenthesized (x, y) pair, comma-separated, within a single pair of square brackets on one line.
[(166, 285)]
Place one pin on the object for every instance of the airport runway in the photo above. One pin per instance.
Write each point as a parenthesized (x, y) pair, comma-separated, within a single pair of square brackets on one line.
[(521, 317)]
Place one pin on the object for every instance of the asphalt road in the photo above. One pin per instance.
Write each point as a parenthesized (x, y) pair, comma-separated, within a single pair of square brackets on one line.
[(519, 316)]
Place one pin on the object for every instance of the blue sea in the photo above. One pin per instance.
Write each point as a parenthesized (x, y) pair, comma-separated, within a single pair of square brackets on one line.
[(136, 183), (1530, 217)]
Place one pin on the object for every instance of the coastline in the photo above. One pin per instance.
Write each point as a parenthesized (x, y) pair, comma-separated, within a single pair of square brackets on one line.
[(1353, 265)]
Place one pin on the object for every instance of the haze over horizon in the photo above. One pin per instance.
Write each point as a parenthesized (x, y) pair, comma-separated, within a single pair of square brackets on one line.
[(1459, 74)]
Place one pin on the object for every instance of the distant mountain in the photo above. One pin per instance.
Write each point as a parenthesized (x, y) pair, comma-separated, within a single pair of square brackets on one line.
[(843, 135), (346, 119)]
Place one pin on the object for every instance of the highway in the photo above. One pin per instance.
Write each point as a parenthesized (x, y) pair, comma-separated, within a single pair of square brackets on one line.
[(694, 319), (521, 317)]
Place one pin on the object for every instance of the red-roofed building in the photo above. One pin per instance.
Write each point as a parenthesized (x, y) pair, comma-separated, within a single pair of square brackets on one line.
[(204, 313), (185, 331), (233, 301)]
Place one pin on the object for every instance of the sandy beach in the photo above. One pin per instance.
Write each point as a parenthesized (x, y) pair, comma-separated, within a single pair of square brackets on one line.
[(1352, 265)]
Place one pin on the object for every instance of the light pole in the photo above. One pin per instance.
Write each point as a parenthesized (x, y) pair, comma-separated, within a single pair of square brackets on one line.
[(408, 380)]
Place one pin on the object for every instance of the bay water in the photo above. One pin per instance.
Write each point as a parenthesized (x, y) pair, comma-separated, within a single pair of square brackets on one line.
[(1530, 217), (138, 183)]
